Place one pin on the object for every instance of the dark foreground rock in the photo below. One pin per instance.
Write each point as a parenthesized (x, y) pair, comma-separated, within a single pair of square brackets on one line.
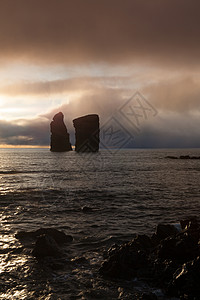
[(87, 133), (46, 246), (170, 260), (59, 135), (44, 241)]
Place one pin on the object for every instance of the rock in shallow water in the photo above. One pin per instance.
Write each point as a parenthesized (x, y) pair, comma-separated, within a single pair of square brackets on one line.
[(59, 236), (46, 246), (44, 241)]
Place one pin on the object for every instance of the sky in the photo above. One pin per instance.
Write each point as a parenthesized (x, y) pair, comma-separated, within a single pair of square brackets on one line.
[(136, 63)]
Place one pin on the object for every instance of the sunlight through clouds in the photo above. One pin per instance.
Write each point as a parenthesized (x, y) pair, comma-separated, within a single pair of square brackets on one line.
[(91, 64)]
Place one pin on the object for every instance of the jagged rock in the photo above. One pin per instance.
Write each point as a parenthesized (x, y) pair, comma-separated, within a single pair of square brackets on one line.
[(165, 230), (190, 221), (46, 246), (125, 261), (179, 248), (87, 133), (169, 260), (186, 280), (59, 135)]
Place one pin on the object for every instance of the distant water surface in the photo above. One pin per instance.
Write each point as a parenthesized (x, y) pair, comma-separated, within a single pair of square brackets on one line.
[(126, 192)]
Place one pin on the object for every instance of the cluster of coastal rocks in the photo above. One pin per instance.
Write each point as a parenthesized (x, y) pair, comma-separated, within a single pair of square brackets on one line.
[(169, 259), (86, 133)]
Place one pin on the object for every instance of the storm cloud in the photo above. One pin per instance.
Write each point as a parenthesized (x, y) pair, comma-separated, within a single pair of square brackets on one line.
[(114, 31), (82, 57)]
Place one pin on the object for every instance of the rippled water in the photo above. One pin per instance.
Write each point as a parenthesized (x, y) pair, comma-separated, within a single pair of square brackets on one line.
[(128, 192)]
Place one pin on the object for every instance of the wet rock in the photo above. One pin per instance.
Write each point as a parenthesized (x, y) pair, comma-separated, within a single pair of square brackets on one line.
[(87, 133), (79, 260), (46, 246), (21, 235), (190, 222), (59, 236), (179, 248), (186, 280), (169, 260), (86, 209), (124, 262), (163, 271), (142, 243), (164, 231), (59, 135)]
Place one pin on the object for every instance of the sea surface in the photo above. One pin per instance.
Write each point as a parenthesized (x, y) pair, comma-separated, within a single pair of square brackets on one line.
[(100, 199)]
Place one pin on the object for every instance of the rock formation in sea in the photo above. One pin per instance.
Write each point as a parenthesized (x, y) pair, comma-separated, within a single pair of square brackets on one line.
[(44, 242), (87, 133), (59, 135), (182, 157)]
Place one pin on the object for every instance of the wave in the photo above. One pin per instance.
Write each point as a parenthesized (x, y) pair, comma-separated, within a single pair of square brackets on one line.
[(10, 172)]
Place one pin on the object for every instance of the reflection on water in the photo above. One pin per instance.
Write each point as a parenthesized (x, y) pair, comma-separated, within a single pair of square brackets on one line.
[(123, 194)]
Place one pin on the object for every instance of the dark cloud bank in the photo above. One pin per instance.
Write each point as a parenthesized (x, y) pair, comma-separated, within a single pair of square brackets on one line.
[(76, 31)]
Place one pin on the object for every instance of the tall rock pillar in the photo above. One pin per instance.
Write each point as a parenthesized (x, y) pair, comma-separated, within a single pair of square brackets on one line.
[(87, 133), (59, 135)]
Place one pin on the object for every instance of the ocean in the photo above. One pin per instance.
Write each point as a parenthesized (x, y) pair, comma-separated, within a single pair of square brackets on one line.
[(100, 199)]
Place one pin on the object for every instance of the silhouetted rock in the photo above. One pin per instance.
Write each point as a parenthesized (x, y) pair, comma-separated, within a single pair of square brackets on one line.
[(46, 246), (59, 135), (183, 157), (170, 260), (86, 209), (87, 133), (126, 261), (163, 231), (179, 248), (59, 236), (186, 280)]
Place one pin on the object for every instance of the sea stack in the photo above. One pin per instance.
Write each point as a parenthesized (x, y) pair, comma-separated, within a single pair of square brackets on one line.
[(87, 133), (59, 135)]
